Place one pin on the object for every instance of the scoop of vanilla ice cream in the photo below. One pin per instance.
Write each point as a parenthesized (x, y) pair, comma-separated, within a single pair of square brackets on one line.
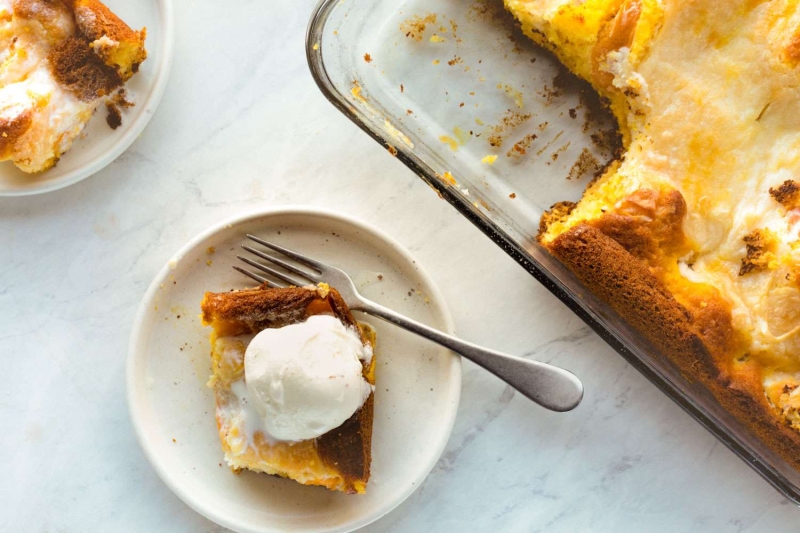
[(306, 379)]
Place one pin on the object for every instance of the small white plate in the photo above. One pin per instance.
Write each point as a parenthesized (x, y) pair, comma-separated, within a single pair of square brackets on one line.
[(417, 383), (99, 145)]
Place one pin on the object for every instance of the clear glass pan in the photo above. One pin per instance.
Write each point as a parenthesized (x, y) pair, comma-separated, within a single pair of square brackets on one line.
[(442, 84)]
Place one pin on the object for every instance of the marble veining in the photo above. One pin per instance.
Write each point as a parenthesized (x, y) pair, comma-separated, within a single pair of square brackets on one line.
[(243, 125)]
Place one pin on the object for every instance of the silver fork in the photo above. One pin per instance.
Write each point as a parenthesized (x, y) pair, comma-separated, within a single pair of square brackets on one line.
[(549, 386)]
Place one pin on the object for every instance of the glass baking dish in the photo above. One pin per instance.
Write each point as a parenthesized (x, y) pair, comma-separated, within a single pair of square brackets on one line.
[(501, 131)]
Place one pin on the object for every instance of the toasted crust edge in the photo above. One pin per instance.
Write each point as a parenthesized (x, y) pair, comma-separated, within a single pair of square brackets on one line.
[(609, 271)]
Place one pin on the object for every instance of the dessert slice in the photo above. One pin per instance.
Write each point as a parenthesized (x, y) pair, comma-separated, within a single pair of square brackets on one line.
[(59, 61), (293, 375)]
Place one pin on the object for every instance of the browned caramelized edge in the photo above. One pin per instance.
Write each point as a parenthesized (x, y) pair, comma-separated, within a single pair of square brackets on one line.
[(346, 449), (94, 20), (627, 284)]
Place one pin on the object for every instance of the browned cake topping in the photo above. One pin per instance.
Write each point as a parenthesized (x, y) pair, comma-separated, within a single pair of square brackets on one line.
[(704, 93), (787, 194), (760, 253), (250, 311), (94, 20), (647, 223), (76, 67)]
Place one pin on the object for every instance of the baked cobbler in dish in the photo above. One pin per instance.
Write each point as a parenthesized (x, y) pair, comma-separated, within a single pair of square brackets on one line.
[(692, 236)]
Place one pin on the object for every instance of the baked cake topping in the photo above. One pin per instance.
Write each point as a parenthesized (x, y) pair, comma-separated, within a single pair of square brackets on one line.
[(706, 94)]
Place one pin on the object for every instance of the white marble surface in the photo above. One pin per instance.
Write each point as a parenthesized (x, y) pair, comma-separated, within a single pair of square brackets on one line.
[(242, 125)]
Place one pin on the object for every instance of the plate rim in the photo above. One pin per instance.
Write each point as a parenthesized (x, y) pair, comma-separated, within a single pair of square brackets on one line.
[(129, 136), (136, 345)]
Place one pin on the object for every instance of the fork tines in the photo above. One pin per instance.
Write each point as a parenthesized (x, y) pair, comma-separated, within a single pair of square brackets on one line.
[(303, 276)]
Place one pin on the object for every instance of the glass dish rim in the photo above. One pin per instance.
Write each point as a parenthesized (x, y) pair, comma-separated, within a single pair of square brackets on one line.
[(314, 56)]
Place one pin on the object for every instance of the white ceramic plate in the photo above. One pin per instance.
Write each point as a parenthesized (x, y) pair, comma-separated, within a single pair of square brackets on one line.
[(417, 383), (99, 145)]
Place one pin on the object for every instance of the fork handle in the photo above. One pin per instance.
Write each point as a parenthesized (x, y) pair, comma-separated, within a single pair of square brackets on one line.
[(550, 386)]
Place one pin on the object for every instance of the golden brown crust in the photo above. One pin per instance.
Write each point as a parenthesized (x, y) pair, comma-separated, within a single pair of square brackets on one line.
[(605, 267), (346, 449), (647, 224), (760, 244), (616, 34), (787, 194), (96, 21), (695, 344), (253, 310), (89, 71)]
